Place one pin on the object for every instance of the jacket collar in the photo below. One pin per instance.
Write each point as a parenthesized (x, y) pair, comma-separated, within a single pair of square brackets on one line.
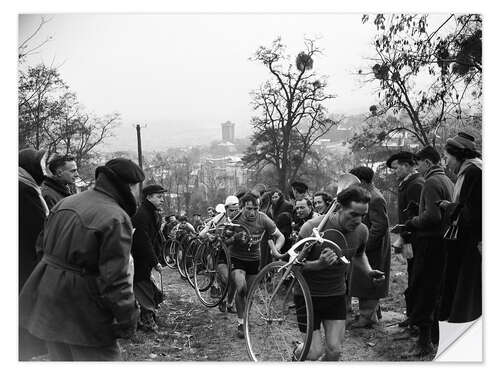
[(409, 178), (434, 170), (57, 186)]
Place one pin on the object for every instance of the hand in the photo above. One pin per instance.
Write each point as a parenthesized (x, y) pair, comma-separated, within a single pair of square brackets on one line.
[(443, 204), (328, 257), (158, 267), (126, 329), (376, 276)]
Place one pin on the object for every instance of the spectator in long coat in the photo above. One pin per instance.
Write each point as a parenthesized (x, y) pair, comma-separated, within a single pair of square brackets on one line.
[(378, 251), (79, 298), (32, 213), (462, 298), (146, 247), (63, 173), (409, 189), (428, 264)]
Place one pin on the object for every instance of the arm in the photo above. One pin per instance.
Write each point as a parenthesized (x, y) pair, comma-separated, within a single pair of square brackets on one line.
[(115, 274), (431, 216), (276, 245)]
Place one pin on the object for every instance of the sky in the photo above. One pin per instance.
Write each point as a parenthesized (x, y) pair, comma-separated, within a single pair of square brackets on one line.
[(182, 75)]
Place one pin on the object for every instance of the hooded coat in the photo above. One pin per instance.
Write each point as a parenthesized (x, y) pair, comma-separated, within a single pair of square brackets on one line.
[(32, 214), (81, 291), (32, 211)]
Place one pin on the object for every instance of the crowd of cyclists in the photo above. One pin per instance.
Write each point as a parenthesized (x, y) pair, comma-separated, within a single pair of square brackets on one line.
[(86, 259)]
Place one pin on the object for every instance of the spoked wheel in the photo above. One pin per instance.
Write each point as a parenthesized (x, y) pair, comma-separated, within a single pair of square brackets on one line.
[(189, 259), (211, 273), (180, 259), (169, 260), (274, 302)]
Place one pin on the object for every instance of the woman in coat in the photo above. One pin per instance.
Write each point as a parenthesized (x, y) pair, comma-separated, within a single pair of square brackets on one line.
[(462, 290), (32, 213)]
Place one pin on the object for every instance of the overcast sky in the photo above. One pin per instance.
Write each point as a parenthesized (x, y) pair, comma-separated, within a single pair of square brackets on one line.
[(185, 74)]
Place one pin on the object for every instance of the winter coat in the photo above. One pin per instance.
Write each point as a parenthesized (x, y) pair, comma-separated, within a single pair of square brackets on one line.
[(409, 191), (81, 291), (32, 210), (53, 191), (378, 249), (147, 240), (31, 219), (429, 222), (462, 288)]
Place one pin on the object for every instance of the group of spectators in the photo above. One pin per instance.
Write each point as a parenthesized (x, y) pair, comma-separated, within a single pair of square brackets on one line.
[(85, 260)]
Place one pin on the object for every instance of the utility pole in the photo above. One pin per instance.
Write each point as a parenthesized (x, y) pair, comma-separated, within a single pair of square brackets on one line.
[(139, 151)]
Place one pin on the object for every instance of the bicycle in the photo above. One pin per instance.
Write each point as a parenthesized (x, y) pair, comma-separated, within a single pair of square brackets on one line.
[(273, 330)]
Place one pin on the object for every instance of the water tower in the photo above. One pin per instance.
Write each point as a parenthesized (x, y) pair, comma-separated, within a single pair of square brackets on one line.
[(227, 131)]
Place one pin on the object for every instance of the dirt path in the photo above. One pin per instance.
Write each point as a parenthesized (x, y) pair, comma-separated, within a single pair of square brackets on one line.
[(191, 332)]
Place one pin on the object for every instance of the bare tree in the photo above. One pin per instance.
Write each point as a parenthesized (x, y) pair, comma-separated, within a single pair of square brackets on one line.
[(291, 111), (424, 73), (27, 47)]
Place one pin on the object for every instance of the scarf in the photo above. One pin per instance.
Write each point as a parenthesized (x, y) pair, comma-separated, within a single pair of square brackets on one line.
[(27, 179), (461, 175)]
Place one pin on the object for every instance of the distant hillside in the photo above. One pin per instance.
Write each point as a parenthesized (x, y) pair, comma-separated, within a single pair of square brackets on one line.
[(349, 124)]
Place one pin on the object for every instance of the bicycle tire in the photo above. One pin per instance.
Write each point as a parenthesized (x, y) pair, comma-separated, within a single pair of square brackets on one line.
[(180, 259), (167, 259), (189, 260), (205, 273), (271, 327), (174, 246)]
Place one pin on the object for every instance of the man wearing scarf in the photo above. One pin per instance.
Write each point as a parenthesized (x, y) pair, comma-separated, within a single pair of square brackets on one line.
[(429, 259), (79, 297)]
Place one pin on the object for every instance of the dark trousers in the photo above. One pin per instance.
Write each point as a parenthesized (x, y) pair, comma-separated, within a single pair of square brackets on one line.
[(59, 351), (409, 267), (428, 266)]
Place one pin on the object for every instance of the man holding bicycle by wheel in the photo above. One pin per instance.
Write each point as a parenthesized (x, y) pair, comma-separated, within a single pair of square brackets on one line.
[(325, 272), (245, 252)]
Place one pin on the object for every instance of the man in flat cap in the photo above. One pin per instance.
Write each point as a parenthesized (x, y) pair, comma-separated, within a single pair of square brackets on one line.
[(79, 298), (410, 184), (428, 266), (146, 249)]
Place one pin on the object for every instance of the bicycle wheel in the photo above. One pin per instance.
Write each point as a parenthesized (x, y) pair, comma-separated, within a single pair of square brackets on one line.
[(210, 283), (189, 259), (180, 259), (272, 330), (169, 261)]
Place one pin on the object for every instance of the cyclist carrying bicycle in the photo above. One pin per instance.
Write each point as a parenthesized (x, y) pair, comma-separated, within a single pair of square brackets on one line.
[(325, 273), (245, 252)]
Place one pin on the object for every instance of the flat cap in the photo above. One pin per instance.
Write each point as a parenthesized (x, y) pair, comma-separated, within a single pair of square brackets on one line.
[(153, 189), (403, 156)]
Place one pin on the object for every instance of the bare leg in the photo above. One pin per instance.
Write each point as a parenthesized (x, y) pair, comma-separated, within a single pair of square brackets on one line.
[(334, 335)]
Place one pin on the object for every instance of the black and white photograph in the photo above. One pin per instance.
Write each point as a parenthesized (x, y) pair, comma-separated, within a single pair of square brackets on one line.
[(248, 187)]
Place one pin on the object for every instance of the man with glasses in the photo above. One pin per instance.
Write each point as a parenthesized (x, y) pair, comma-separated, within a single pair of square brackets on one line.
[(245, 252)]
